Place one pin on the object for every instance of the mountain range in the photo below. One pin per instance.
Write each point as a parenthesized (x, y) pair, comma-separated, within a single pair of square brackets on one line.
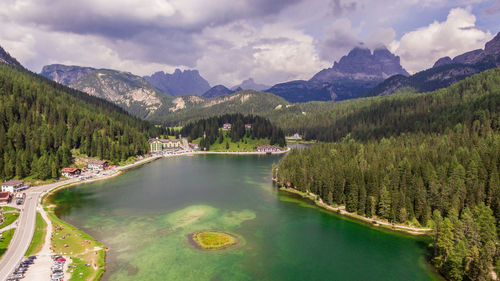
[(6, 58), (350, 77), (445, 71)]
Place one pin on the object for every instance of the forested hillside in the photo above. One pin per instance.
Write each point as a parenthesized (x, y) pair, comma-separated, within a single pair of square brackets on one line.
[(41, 121), (394, 114), (210, 130), (429, 159)]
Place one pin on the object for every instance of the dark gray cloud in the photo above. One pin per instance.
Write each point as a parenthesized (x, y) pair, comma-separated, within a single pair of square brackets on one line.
[(339, 7)]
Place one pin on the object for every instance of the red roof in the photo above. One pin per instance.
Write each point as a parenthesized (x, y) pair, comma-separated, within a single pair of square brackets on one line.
[(69, 170), (4, 195)]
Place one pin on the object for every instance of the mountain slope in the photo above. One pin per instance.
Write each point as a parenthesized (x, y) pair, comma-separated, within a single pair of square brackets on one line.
[(353, 75), (190, 108), (41, 121), (129, 91), (445, 71), (187, 82)]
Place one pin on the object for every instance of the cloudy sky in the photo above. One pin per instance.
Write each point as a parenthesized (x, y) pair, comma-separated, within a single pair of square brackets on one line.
[(232, 40)]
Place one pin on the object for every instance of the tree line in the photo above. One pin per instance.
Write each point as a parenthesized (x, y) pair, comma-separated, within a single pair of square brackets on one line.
[(42, 121), (210, 130), (431, 160)]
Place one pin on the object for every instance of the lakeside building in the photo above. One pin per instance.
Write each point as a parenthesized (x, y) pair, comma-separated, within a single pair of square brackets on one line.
[(248, 126), (14, 186), (226, 126), (5, 197), (97, 165), (164, 145), (70, 172), (295, 136), (269, 148)]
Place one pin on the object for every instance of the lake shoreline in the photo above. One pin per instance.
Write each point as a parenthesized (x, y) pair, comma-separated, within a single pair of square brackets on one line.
[(340, 210)]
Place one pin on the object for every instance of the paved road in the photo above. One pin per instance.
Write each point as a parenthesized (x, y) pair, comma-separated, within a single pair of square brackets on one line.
[(21, 240), (27, 219), (24, 229)]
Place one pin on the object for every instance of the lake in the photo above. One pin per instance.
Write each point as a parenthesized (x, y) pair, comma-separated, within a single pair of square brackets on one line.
[(145, 216)]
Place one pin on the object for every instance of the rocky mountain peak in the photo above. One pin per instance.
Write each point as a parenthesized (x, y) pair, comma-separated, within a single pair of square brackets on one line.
[(443, 61), (180, 82), (493, 46)]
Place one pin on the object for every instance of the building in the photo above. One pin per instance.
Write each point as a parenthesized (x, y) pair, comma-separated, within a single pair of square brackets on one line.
[(164, 145), (71, 172), (14, 186), (5, 197), (226, 126), (268, 148), (97, 165), (248, 126), (295, 136)]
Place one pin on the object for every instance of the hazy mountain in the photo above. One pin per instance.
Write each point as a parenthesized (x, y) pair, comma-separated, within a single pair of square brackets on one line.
[(65, 74), (445, 71), (187, 82), (350, 77), (250, 84), (8, 59), (216, 91)]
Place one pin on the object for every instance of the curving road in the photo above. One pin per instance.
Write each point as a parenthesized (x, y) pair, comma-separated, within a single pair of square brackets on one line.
[(25, 227)]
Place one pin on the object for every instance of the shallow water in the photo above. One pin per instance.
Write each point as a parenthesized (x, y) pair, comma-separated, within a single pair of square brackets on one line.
[(145, 215)]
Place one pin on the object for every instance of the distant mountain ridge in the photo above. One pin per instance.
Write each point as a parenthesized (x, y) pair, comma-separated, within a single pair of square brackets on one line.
[(250, 84), (445, 71), (6, 58), (218, 90), (354, 74), (187, 82), (65, 74)]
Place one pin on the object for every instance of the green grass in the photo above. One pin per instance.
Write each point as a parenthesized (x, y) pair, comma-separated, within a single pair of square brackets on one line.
[(7, 208), (213, 240), (80, 246), (5, 240), (38, 236), (81, 272), (246, 144), (9, 219)]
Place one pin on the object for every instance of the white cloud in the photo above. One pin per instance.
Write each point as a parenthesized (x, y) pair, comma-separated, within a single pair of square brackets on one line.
[(458, 34)]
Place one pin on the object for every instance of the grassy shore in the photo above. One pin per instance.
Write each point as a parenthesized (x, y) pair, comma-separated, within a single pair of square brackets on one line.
[(5, 240), (85, 252), (376, 222), (38, 237)]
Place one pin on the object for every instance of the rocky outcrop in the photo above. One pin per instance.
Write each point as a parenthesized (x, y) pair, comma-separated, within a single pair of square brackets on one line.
[(65, 74), (218, 90), (187, 82), (8, 59), (250, 84), (443, 61), (493, 46)]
